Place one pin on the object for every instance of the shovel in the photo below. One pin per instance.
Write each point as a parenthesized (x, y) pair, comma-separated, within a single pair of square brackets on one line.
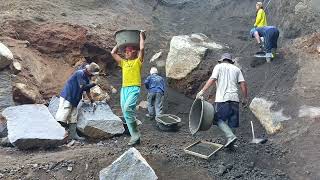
[(257, 140)]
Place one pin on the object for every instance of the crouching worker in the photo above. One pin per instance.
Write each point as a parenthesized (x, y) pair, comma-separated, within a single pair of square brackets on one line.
[(70, 96), (270, 36), (227, 77), (156, 87), (131, 81)]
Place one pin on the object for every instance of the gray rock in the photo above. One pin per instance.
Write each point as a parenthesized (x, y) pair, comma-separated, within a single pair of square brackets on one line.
[(101, 123), (130, 165), (6, 99), (16, 67), (32, 126), (6, 56)]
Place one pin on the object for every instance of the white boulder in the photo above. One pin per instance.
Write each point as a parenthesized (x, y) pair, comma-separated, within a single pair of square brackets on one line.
[(186, 52), (270, 119), (6, 56)]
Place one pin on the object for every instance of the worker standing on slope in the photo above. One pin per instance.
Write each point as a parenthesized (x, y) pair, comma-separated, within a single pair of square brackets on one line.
[(131, 82), (156, 86), (227, 77), (261, 17)]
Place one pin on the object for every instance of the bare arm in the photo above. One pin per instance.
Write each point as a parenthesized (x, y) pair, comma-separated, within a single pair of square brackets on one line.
[(244, 90), (256, 35), (141, 52), (209, 83), (115, 56)]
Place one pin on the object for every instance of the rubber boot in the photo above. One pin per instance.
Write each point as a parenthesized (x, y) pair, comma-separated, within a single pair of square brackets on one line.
[(73, 132), (134, 132), (231, 138)]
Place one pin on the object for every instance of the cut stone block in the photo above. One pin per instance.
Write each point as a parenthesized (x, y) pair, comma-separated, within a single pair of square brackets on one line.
[(99, 123), (32, 126), (130, 165)]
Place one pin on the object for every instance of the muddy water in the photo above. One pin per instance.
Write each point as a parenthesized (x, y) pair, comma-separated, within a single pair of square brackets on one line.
[(5, 90)]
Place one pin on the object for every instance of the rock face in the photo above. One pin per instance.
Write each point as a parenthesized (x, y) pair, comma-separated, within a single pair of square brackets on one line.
[(32, 126), (25, 94), (186, 52), (5, 90), (271, 120), (101, 123), (130, 165), (6, 56)]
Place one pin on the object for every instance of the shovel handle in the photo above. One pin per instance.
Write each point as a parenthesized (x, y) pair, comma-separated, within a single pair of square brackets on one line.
[(252, 130)]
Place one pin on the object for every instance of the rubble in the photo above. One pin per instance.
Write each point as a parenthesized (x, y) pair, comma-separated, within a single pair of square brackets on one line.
[(99, 123), (32, 126), (25, 94), (130, 165)]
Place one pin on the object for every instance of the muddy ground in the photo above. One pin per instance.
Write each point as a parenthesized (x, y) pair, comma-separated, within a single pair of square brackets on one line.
[(226, 22)]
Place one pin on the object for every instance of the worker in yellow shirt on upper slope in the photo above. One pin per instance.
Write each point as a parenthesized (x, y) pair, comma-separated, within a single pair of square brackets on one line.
[(261, 18)]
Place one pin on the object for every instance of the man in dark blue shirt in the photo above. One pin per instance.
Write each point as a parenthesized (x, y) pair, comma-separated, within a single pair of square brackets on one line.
[(270, 36), (71, 95), (156, 87)]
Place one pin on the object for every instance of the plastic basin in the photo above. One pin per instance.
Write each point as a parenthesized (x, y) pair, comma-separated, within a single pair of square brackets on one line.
[(127, 38), (201, 116)]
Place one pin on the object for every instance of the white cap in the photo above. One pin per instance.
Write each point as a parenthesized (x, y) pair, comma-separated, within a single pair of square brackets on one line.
[(153, 70)]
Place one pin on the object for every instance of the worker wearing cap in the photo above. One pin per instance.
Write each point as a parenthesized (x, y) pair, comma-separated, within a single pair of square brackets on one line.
[(270, 35), (131, 81), (71, 95), (227, 77), (261, 17), (156, 86)]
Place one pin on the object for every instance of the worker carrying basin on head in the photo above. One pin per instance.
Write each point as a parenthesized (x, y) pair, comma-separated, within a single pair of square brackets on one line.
[(156, 87), (270, 36), (261, 17), (131, 66), (227, 77), (70, 96)]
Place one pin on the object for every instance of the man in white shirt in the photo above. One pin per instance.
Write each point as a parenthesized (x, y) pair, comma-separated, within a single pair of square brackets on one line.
[(227, 77)]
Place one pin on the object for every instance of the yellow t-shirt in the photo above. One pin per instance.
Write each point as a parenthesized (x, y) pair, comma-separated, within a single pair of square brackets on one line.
[(261, 19), (131, 72)]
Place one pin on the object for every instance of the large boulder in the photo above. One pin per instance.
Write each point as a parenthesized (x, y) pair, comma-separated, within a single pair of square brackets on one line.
[(32, 126), (25, 94), (6, 56), (54, 105), (186, 52), (6, 99), (130, 165), (99, 123), (270, 119)]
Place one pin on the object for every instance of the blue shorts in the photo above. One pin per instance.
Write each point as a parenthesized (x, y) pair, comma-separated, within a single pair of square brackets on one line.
[(227, 111)]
